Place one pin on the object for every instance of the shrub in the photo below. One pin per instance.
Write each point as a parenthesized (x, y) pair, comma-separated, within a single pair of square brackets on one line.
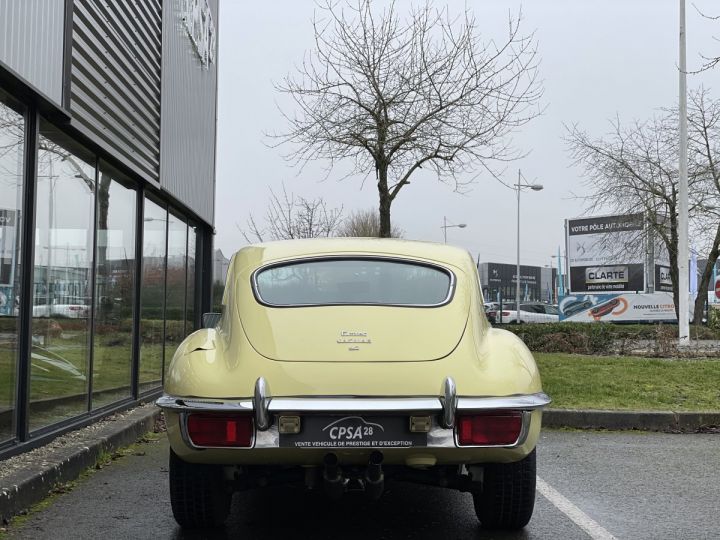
[(603, 338)]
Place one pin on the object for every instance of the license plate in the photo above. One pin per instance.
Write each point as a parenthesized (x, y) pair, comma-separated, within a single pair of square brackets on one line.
[(354, 431)]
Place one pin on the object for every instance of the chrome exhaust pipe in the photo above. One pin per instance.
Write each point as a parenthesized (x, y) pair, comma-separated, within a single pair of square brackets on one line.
[(333, 480), (374, 477)]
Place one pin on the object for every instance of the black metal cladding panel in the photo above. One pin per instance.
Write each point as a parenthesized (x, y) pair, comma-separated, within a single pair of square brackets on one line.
[(115, 78)]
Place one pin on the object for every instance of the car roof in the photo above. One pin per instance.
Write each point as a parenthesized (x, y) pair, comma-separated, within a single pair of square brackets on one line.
[(266, 252)]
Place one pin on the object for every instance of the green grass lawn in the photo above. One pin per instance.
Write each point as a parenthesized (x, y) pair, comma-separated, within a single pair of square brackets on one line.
[(573, 381), (601, 382)]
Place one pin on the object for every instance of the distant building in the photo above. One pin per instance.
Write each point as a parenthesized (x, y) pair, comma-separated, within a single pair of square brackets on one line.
[(220, 267), (537, 283), (107, 188)]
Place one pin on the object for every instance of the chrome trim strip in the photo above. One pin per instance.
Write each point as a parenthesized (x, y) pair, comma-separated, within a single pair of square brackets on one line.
[(440, 437), (261, 401), (270, 438), (296, 260), (449, 402), (521, 401), (184, 432), (348, 404), (351, 404), (201, 405), (526, 418)]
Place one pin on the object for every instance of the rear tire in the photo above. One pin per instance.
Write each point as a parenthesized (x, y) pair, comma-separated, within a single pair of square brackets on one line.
[(507, 498), (198, 494)]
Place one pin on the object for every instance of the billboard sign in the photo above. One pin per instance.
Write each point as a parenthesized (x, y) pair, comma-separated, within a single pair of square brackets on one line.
[(606, 253), (663, 282), (504, 277), (504, 274), (624, 307)]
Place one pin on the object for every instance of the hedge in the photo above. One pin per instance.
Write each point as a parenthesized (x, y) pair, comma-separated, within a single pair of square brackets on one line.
[(600, 338)]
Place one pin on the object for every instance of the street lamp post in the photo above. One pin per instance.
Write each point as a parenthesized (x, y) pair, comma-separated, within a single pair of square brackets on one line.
[(445, 227), (554, 283), (682, 222), (519, 187), (560, 279)]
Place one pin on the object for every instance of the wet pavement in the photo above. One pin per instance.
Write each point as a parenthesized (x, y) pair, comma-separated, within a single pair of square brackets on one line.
[(598, 485)]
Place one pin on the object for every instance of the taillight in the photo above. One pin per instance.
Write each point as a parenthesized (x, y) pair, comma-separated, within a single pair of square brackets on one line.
[(491, 313), (492, 428), (506, 313), (220, 430)]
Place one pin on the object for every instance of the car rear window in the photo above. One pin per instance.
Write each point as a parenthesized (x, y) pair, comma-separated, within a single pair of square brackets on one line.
[(353, 281)]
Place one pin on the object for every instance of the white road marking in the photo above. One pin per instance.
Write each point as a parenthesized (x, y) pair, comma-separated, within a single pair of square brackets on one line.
[(580, 518)]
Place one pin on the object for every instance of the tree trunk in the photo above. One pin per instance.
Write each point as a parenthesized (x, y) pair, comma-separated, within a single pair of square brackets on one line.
[(103, 204), (103, 195), (385, 202), (705, 280)]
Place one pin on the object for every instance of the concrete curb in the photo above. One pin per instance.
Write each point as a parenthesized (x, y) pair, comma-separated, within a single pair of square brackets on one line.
[(625, 420), (30, 484)]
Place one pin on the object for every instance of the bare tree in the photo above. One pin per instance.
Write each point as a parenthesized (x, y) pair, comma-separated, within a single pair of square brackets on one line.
[(393, 96), (709, 62), (366, 223), (13, 131), (634, 169), (704, 157), (290, 217)]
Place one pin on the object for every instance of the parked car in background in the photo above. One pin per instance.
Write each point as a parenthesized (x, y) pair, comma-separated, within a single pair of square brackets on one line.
[(530, 312), (343, 364), (71, 308)]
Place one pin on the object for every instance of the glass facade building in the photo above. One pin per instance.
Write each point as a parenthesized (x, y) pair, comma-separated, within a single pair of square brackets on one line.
[(106, 207), (499, 282)]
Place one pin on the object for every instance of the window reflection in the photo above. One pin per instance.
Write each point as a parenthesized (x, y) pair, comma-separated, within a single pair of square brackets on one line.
[(114, 290), (83, 286), (152, 300), (12, 131), (190, 294), (176, 286), (62, 280)]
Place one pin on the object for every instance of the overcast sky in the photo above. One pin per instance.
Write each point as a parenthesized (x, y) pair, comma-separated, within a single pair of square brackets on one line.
[(599, 59)]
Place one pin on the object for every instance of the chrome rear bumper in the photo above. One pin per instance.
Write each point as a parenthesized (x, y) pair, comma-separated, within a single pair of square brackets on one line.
[(443, 409), (526, 402)]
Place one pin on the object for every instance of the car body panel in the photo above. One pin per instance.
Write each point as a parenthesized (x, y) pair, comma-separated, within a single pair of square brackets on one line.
[(222, 363), (403, 335), (333, 333), (356, 456), (231, 369)]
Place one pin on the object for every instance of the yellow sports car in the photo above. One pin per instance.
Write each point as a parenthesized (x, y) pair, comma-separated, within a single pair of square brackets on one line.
[(342, 364)]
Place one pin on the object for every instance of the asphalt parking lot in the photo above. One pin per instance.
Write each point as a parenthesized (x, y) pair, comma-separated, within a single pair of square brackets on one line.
[(598, 485)]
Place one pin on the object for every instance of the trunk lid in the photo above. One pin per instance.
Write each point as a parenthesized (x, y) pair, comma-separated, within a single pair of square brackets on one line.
[(357, 333), (355, 309)]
